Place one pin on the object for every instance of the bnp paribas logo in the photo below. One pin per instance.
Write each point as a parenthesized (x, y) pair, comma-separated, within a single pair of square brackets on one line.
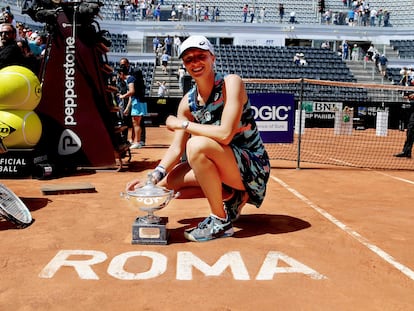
[(69, 142)]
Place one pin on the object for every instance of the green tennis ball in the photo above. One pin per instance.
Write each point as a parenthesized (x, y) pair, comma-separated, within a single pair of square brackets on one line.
[(346, 118), (20, 128), (19, 88)]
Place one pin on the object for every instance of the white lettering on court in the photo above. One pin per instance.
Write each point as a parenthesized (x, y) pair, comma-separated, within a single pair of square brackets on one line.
[(158, 267), (82, 267), (186, 262), (270, 268)]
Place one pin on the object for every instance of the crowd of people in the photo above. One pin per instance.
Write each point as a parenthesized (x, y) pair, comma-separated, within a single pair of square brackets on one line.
[(358, 13), (20, 45)]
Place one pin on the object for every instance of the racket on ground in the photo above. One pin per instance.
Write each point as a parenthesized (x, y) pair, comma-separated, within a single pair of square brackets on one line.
[(13, 209)]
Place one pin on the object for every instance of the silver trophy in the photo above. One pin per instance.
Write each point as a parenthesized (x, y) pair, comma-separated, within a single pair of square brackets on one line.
[(150, 229)]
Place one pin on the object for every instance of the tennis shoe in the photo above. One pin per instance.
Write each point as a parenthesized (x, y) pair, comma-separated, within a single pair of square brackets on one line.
[(235, 203), (135, 146), (209, 229)]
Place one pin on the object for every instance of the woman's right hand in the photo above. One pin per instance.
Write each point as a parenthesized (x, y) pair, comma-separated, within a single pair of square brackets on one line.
[(134, 184)]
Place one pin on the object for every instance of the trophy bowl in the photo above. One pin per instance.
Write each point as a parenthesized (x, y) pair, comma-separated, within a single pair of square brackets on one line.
[(149, 198)]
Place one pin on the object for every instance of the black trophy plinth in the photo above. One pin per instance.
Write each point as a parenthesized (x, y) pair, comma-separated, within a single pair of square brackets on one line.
[(144, 232)]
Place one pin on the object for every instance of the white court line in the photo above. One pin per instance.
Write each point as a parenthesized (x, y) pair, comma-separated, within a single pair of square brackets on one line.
[(395, 177), (385, 256)]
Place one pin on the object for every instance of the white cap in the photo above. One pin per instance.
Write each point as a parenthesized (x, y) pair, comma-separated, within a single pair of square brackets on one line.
[(196, 42)]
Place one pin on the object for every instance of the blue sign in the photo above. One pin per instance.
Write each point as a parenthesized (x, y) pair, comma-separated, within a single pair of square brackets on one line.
[(274, 115)]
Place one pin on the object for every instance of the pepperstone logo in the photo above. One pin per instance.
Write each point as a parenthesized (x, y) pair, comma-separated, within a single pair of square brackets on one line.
[(70, 93), (69, 142)]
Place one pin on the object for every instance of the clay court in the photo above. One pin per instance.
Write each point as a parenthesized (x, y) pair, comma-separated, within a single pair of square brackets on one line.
[(326, 238)]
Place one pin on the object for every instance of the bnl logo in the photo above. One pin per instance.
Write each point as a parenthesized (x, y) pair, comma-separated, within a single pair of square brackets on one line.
[(69, 142)]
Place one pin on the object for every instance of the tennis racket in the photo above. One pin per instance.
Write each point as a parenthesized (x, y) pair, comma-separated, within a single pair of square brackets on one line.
[(13, 209)]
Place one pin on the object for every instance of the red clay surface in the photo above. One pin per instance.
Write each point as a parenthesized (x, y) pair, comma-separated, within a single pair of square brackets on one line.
[(326, 238)]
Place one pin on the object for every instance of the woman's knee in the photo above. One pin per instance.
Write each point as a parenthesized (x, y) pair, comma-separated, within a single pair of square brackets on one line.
[(198, 146)]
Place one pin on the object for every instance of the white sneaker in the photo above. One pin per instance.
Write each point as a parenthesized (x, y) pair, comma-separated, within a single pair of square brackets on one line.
[(135, 146)]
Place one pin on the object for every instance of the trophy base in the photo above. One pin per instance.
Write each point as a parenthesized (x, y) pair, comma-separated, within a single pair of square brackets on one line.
[(150, 233)]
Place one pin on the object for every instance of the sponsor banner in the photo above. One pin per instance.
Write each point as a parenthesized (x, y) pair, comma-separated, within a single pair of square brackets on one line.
[(74, 108), (274, 115)]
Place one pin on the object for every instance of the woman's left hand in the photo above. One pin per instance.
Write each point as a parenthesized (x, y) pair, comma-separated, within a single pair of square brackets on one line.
[(173, 123)]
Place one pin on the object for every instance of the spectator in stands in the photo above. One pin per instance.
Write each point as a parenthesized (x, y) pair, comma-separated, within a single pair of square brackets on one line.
[(206, 13), (215, 14), (189, 15), (157, 13), (168, 43), (386, 18), (197, 13), (32, 62), (380, 16), (180, 11), (370, 52), (181, 75), (252, 12), (162, 89), (177, 44), (158, 54), (143, 9), (410, 76), (296, 59), (351, 17), (382, 65), (122, 6), (165, 58), (325, 45), (302, 60), (404, 76), (281, 12), (135, 108), (327, 16), (115, 11), (155, 43), (372, 16), (262, 14), (345, 50), (245, 11), (292, 18), (173, 13), (139, 93), (355, 52), (36, 44), (10, 53), (225, 159), (408, 144)]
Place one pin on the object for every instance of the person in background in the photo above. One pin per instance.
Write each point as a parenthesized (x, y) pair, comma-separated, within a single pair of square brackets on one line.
[(281, 12), (217, 151), (10, 53), (409, 140), (134, 107), (140, 89), (162, 89)]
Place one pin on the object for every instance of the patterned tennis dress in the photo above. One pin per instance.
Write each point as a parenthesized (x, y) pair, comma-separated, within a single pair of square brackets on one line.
[(247, 145)]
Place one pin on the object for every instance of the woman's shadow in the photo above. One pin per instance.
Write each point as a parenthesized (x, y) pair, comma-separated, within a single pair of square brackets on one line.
[(248, 226)]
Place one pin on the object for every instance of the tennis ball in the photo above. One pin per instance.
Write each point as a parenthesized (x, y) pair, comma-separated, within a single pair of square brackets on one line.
[(19, 88), (20, 128)]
